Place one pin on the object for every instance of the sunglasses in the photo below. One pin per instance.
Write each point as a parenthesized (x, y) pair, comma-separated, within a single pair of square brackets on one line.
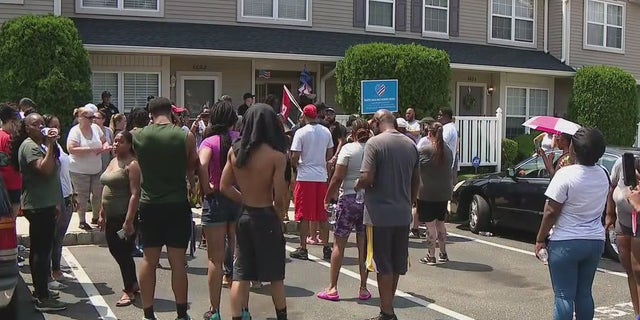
[(89, 117)]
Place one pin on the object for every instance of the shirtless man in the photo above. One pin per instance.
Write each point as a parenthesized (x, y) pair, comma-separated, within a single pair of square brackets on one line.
[(256, 165)]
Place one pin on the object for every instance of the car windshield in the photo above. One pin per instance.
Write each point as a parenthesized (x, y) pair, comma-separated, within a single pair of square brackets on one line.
[(534, 166)]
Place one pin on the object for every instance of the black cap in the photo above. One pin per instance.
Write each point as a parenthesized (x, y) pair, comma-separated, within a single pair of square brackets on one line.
[(247, 96), (106, 94)]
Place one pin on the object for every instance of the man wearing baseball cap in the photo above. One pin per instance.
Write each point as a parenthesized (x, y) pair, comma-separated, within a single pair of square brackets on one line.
[(107, 107), (311, 148), (249, 100)]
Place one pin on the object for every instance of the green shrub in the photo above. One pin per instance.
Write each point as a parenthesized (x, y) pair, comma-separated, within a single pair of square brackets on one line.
[(42, 57), (509, 152), (526, 148), (423, 75), (606, 98)]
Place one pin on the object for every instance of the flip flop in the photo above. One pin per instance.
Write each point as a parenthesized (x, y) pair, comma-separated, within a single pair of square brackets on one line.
[(125, 301), (365, 296), (324, 296)]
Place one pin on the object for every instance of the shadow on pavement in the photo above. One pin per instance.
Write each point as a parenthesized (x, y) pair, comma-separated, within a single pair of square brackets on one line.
[(465, 266), (291, 291)]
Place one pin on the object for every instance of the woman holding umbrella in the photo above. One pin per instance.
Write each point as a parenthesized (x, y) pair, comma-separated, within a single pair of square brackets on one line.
[(563, 131), (563, 141)]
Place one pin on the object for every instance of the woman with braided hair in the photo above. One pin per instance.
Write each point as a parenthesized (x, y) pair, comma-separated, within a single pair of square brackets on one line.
[(219, 221)]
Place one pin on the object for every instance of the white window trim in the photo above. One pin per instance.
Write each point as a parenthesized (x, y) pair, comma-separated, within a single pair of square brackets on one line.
[(275, 19), (381, 29), (527, 109), (121, 11), (12, 1), (121, 84), (604, 48), (490, 38), (433, 34)]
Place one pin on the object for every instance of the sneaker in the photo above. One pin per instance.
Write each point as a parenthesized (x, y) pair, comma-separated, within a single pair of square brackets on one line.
[(326, 253), (85, 226), (187, 317), (210, 315), (414, 234), (49, 304), (245, 315), (52, 295), (154, 318), (383, 316), (428, 260), (444, 257), (55, 285), (65, 277), (300, 253)]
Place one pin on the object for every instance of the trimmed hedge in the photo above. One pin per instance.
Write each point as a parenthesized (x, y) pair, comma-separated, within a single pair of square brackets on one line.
[(423, 75), (509, 152), (606, 98), (42, 57)]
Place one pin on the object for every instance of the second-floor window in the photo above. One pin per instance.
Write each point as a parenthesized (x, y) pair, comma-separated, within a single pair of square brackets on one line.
[(276, 11), (153, 8), (381, 15), (512, 21), (436, 18), (604, 27)]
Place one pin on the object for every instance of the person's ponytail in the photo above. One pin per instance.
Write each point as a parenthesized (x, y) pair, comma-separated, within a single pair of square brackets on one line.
[(435, 129)]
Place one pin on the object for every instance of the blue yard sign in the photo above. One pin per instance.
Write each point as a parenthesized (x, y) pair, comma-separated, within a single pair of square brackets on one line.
[(475, 162), (377, 95)]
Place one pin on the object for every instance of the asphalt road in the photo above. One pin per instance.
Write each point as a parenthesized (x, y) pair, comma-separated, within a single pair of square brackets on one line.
[(487, 278)]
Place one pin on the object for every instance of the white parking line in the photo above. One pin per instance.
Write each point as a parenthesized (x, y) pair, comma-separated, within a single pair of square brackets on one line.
[(530, 253), (94, 296), (399, 293)]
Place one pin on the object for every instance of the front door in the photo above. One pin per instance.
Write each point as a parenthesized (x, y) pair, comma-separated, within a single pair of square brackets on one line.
[(471, 99), (197, 91)]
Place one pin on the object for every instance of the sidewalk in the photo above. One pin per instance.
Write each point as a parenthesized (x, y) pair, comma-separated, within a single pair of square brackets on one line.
[(76, 236)]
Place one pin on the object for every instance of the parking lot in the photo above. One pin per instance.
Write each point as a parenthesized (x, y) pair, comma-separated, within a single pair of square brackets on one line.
[(487, 278)]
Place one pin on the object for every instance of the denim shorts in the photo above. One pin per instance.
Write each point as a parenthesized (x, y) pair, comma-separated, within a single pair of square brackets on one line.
[(219, 210)]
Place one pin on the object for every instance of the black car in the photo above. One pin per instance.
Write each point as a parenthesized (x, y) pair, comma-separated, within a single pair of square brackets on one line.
[(515, 199)]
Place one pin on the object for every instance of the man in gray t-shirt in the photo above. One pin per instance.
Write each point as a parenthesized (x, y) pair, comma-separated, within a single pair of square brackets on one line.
[(390, 176)]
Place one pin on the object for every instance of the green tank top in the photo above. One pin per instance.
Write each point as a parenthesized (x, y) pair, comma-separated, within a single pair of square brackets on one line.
[(116, 193), (161, 151)]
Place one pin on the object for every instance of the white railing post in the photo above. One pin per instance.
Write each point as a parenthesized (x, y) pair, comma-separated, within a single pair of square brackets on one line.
[(499, 138), (637, 143)]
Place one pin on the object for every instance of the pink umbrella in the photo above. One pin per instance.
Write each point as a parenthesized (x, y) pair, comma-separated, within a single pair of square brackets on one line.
[(552, 125)]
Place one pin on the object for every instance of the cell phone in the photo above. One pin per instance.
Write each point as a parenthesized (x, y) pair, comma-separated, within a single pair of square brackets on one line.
[(629, 170), (120, 234)]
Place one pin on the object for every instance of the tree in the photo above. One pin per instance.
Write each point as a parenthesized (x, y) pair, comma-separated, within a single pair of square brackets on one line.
[(606, 98), (42, 57), (423, 75)]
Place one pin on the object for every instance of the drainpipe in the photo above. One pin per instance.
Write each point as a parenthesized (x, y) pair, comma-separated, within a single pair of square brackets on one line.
[(57, 7), (323, 80), (565, 31), (546, 26)]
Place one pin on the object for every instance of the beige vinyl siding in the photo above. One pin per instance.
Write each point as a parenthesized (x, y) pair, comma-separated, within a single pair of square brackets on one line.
[(35, 7), (333, 15), (473, 21), (629, 61), (555, 28)]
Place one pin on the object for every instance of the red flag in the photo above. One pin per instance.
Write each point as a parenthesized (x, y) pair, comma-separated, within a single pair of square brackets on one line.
[(286, 103)]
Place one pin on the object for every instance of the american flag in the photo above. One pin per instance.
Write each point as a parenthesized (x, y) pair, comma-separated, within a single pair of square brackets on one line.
[(264, 74)]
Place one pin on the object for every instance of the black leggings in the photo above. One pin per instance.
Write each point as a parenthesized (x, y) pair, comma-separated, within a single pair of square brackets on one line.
[(121, 251), (42, 225)]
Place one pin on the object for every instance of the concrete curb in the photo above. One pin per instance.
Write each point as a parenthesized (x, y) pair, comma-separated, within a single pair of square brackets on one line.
[(97, 237)]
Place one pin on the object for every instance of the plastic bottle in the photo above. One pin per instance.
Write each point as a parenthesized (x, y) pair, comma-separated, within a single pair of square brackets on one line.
[(331, 213), (485, 233), (360, 196), (543, 255)]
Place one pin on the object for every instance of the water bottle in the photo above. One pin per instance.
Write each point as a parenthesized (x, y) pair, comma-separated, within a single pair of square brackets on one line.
[(331, 213), (543, 255), (485, 233), (360, 196)]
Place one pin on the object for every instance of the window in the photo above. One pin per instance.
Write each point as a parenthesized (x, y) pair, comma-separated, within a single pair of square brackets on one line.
[(513, 22), (604, 25), (152, 8), (436, 18), (128, 90), (381, 15), (522, 104), (275, 11)]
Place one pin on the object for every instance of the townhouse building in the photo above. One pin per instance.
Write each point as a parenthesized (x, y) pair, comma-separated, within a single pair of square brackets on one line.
[(519, 55)]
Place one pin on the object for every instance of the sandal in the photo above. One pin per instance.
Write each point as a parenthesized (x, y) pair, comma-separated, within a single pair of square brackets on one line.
[(329, 297), (125, 300), (364, 296)]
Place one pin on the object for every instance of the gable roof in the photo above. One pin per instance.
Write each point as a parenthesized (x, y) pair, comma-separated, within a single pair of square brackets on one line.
[(278, 41)]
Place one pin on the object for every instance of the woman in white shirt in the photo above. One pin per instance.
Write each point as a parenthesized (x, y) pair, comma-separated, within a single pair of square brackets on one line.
[(86, 143), (576, 201)]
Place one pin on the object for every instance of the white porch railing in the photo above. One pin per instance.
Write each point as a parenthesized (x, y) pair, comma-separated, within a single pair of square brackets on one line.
[(637, 143), (480, 137)]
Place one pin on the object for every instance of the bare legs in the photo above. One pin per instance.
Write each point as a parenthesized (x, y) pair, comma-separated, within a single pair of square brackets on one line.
[(240, 296), (216, 253), (436, 230), (147, 275), (387, 285), (337, 257)]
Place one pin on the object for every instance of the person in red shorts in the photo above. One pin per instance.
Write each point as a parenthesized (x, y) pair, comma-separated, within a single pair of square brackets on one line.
[(311, 148)]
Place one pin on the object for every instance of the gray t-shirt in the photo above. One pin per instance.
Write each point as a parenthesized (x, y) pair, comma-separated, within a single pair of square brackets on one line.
[(620, 194), (393, 158), (435, 178), (350, 156)]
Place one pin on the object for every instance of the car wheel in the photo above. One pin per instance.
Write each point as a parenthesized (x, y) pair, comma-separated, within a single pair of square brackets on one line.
[(610, 246), (479, 214)]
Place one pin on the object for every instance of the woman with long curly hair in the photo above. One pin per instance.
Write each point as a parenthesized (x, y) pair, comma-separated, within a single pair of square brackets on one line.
[(219, 221), (348, 211), (436, 163)]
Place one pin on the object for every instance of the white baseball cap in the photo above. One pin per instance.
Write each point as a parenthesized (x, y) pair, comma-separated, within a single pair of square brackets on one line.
[(402, 123), (91, 106)]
